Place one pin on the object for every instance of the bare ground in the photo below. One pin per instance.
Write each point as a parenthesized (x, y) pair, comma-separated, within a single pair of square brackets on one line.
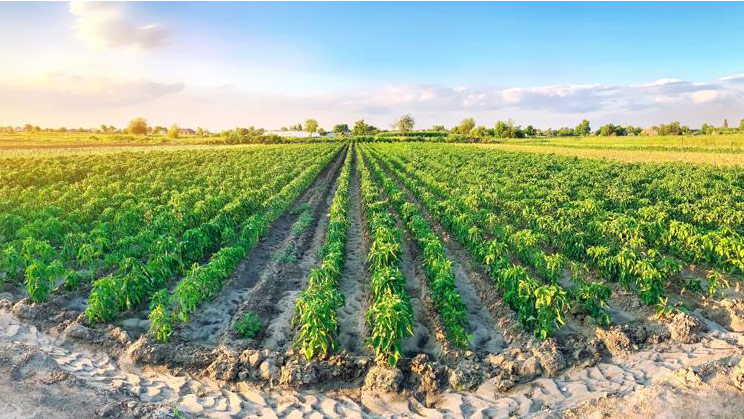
[(353, 277)]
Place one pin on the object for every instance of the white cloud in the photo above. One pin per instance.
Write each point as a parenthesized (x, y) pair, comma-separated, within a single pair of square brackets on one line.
[(73, 99), (103, 25), (705, 96)]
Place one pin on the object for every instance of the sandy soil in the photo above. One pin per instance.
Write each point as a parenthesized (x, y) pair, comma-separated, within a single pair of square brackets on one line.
[(62, 378)]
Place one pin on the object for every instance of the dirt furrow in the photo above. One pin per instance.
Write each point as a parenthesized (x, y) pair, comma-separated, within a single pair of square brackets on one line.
[(351, 315), (273, 297)]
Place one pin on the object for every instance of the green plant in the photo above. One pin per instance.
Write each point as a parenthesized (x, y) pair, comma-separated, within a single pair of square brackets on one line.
[(248, 325)]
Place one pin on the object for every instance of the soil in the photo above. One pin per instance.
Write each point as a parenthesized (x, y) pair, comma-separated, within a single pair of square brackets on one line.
[(353, 276)]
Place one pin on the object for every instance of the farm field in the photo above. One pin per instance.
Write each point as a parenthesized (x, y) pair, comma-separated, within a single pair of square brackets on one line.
[(372, 279)]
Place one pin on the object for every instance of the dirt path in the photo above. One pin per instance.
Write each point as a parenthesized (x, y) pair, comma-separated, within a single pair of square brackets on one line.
[(423, 339), (273, 296), (212, 321), (481, 326), (353, 276)]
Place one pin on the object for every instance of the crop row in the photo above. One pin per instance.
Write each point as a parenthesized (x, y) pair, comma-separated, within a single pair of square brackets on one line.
[(203, 281), (315, 309), (540, 307), (508, 242), (445, 297), (390, 315)]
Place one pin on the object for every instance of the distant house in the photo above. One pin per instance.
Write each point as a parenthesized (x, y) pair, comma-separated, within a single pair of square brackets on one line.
[(186, 131), (292, 134)]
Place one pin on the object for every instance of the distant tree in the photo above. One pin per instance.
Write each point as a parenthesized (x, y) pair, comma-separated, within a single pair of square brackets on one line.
[(725, 124), (707, 129), (530, 131), (62, 129), (28, 127), (362, 128), (405, 123), (610, 130), (583, 128), (741, 125), (322, 132), (507, 129), (478, 132), (341, 129), (465, 126), (566, 132), (137, 126), (311, 126), (199, 132), (672, 128), (173, 132), (438, 128), (501, 130)]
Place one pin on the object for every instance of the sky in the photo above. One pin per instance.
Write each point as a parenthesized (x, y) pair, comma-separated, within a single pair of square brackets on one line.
[(222, 65)]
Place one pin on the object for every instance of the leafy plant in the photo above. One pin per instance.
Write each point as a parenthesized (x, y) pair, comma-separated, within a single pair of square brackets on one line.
[(248, 325)]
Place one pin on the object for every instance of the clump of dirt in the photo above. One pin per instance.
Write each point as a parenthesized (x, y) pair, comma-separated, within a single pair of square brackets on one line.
[(174, 354), (550, 356), (289, 369), (737, 376), (577, 349), (467, 373), (338, 369), (427, 379), (685, 328), (615, 339), (383, 379), (729, 312)]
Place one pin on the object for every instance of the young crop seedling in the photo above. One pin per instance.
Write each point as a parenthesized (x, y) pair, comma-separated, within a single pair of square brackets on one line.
[(248, 325)]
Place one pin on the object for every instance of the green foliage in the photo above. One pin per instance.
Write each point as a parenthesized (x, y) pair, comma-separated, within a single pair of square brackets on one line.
[(248, 325)]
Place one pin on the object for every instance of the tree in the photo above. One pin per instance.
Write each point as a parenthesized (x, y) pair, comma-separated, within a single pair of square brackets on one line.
[(707, 129), (530, 131), (199, 132), (322, 132), (478, 132), (341, 129), (311, 126), (137, 126), (506, 129), (741, 125), (465, 126), (725, 124), (438, 128), (173, 131), (360, 128), (583, 128), (405, 123)]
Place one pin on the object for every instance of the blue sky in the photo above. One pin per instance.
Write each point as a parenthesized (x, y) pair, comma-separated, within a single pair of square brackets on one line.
[(220, 65)]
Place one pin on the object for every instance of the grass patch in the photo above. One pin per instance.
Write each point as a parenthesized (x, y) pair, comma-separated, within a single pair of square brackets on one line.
[(303, 222), (300, 208), (288, 254), (248, 325)]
